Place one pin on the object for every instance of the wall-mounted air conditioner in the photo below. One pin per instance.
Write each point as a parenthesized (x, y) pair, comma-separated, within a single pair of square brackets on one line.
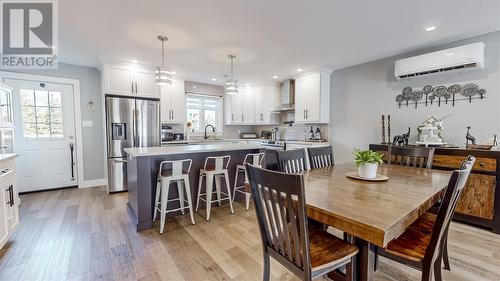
[(467, 57)]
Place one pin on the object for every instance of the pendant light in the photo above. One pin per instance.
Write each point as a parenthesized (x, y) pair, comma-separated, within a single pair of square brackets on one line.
[(231, 86), (163, 73)]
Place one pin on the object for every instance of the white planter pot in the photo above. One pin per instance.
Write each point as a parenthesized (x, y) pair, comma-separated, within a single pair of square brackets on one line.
[(368, 170)]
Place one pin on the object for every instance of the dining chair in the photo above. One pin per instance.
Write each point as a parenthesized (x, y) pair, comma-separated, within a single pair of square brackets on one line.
[(421, 245), (416, 157), (320, 157), (308, 252), (292, 161)]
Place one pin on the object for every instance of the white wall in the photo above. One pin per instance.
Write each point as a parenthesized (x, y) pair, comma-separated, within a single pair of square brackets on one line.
[(362, 93)]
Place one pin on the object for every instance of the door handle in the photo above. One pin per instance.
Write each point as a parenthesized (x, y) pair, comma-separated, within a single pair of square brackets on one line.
[(232, 116), (71, 149), (119, 161), (136, 88), (132, 87), (11, 194), (172, 114)]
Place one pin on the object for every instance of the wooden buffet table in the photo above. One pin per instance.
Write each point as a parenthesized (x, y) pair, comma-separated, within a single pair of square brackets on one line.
[(480, 201), (374, 213)]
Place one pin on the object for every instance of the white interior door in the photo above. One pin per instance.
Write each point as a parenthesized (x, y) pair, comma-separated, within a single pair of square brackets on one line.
[(44, 134)]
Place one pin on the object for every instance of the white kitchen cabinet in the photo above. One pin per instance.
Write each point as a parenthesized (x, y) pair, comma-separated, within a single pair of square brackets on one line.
[(129, 81), (248, 106), (252, 106), (173, 103), (234, 113), (312, 98), (145, 83), (9, 200), (5, 106), (265, 99)]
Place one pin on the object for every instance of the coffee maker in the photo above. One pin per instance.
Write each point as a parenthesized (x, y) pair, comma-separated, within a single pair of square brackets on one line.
[(167, 134)]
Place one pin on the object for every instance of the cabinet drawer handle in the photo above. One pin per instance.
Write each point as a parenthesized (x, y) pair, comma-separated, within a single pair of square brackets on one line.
[(481, 164)]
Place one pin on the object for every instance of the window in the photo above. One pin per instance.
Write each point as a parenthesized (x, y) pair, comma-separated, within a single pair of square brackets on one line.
[(204, 110), (41, 114)]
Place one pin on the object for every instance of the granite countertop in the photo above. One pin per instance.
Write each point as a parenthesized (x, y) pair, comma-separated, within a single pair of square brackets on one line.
[(189, 148), (7, 156)]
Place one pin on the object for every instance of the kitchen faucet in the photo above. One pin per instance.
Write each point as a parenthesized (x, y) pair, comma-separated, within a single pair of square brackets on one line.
[(213, 130)]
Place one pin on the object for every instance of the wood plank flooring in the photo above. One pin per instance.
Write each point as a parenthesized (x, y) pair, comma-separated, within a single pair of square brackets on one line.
[(86, 234)]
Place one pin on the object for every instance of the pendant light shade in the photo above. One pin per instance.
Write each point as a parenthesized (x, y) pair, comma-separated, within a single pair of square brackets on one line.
[(231, 86), (163, 73)]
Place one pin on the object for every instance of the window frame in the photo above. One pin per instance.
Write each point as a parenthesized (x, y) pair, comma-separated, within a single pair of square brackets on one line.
[(49, 107), (203, 96)]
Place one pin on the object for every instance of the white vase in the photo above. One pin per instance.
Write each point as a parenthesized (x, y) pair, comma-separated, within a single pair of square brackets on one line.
[(368, 170)]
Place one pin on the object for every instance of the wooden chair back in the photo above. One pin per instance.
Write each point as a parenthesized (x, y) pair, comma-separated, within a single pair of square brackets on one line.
[(320, 157), (217, 163), (282, 222), (292, 161), (416, 157), (254, 159), (446, 210)]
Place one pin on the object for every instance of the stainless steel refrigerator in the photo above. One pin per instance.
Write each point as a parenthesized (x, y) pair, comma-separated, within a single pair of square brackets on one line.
[(130, 122)]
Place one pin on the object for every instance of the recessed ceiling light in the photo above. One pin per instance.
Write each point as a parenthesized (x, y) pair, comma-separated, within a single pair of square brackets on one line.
[(173, 72), (247, 84), (299, 69), (194, 86), (135, 61), (430, 28), (213, 79), (275, 77)]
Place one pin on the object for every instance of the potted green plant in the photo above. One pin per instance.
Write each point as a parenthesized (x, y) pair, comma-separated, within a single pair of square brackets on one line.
[(367, 162)]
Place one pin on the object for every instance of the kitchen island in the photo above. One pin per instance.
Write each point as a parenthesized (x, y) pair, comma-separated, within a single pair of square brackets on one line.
[(142, 170)]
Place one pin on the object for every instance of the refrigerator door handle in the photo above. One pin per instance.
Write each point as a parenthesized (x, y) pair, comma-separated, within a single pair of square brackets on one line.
[(134, 127)]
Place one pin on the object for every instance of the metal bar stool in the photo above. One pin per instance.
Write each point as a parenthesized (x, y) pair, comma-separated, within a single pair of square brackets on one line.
[(256, 160), (214, 168), (178, 172)]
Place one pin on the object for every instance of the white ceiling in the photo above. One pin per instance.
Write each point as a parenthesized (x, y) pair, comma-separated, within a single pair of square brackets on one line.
[(269, 37)]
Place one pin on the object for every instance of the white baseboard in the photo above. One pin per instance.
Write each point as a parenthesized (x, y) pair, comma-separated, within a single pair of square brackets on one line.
[(93, 183)]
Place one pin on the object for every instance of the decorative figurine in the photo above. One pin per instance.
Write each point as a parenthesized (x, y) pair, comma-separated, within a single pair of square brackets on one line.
[(402, 139), (383, 129), (388, 128), (468, 138), (429, 132)]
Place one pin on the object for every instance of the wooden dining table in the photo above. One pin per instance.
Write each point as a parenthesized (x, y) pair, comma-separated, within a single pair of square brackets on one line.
[(372, 213)]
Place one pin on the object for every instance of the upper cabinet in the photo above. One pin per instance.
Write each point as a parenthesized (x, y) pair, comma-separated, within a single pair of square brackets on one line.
[(266, 98), (5, 106), (312, 98), (129, 81), (252, 106), (173, 103)]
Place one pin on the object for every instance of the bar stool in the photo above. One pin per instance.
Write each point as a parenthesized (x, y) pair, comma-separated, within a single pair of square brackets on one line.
[(251, 158), (214, 168), (173, 171)]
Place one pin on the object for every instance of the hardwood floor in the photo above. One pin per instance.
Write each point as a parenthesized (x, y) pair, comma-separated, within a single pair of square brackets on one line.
[(85, 234)]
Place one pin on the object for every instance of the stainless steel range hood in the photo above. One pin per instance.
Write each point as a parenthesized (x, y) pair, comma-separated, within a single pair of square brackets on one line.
[(287, 97)]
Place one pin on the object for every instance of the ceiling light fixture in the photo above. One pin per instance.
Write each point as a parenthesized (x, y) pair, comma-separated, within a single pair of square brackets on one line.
[(231, 87), (213, 79), (275, 77), (247, 84), (430, 28), (163, 73), (135, 61), (299, 69)]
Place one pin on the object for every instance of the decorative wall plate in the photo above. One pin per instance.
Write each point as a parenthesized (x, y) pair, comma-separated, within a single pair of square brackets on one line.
[(407, 90), (427, 89), (470, 90), (439, 91), (453, 89), (416, 96)]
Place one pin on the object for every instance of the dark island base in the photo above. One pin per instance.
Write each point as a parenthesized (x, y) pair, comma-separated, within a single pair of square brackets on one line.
[(142, 173)]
